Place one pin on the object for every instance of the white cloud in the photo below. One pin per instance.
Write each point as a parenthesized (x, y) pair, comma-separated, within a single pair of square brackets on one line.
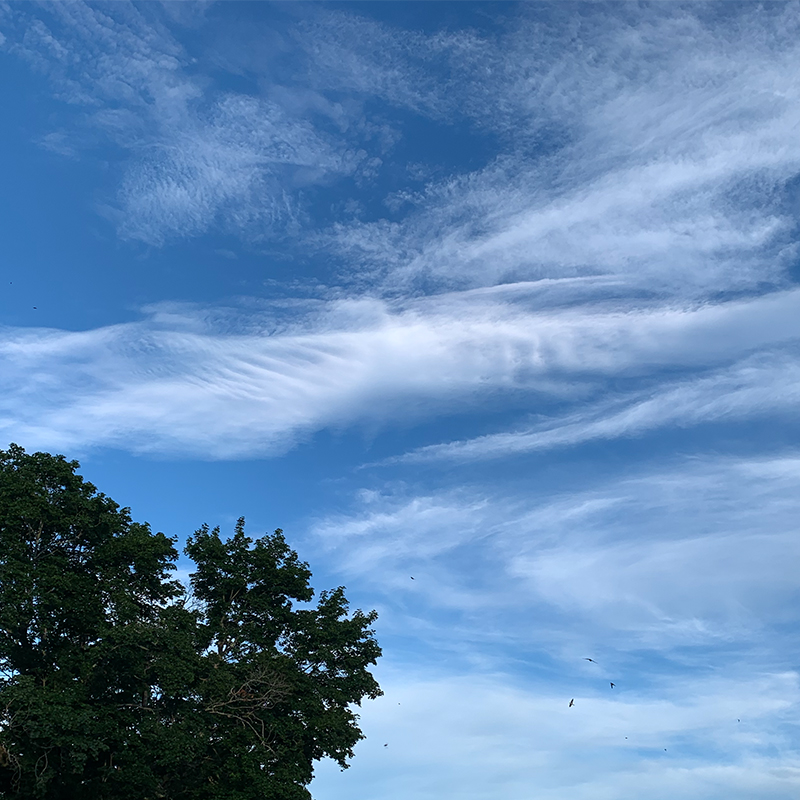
[(663, 227), (702, 554), (480, 737), (188, 384), (679, 582), (425, 73), (674, 138), (197, 157), (760, 386), (652, 145), (225, 385), (237, 166)]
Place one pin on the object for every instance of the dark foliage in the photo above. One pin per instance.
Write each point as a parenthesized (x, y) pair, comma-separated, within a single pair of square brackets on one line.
[(117, 683)]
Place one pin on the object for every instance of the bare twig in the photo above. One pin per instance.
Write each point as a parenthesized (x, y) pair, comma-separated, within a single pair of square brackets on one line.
[(261, 691)]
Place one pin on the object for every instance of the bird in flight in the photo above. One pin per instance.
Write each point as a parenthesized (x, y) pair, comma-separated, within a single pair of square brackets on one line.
[(412, 577), (571, 703), (590, 659), (612, 684), (386, 745)]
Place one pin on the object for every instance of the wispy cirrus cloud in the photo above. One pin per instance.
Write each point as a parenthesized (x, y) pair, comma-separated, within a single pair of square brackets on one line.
[(433, 74), (701, 553), (653, 146), (681, 554), (237, 165), (184, 380), (196, 156), (663, 145), (760, 386)]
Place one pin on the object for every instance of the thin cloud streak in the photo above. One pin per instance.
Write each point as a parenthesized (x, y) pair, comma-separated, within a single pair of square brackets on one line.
[(761, 386)]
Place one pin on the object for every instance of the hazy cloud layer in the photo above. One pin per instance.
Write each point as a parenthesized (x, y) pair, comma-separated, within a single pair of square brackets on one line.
[(513, 591), (699, 554), (479, 736)]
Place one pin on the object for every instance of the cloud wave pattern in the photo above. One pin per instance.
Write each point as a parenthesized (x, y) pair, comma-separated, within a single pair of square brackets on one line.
[(156, 383)]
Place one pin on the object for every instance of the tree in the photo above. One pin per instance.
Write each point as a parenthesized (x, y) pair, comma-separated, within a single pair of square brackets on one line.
[(118, 682)]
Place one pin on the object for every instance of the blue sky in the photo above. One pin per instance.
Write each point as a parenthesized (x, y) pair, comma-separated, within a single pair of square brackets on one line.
[(504, 297)]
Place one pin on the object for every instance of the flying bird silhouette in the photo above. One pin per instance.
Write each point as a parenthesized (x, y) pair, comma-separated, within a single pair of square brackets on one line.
[(571, 703), (590, 659), (612, 684), (412, 577)]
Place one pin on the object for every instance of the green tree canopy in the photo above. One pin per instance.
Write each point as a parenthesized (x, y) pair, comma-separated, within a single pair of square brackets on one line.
[(117, 682)]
